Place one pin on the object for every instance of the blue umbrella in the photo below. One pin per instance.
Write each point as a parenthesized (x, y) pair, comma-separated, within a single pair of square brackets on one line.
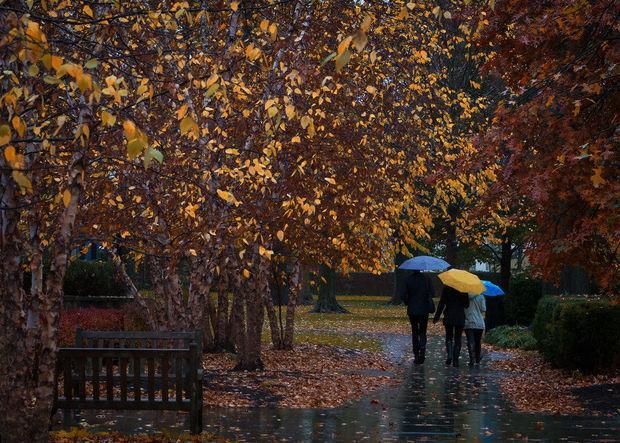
[(425, 263), (492, 290)]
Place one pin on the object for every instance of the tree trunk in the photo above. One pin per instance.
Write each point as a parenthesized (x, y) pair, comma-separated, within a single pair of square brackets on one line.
[(208, 344), (452, 248), (29, 322), (221, 336), (305, 297), (399, 280), (327, 302), (277, 339), (294, 285), (254, 291)]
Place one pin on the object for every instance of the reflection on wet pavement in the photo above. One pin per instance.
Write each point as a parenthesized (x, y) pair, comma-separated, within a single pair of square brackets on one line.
[(433, 402)]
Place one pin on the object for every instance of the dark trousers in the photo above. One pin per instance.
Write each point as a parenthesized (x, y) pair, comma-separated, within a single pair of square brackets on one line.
[(453, 341), (454, 333), (418, 333), (474, 343)]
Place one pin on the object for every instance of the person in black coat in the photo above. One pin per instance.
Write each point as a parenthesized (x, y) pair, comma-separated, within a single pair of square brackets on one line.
[(418, 296), (452, 304)]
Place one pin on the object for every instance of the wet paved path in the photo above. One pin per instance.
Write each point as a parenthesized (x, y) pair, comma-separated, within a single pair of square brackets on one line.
[(433, 402)]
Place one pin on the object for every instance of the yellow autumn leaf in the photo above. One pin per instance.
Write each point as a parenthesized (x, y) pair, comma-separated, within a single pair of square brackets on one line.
[(33, 70), (212, 90), (290, 111), (273, 31), (181, 111), (226, 196), (135, 147), (371, 89), (272, 111), (264, 25), (108, 119), (246, 273), (66, 198), (88, 11), (234, 6), (10, 154), (280, 235), (5, 134), (22, 180), (187, 124), (330, 180), (85, 82), (344, 45), (212, 79), (130, 129), (19, 125)]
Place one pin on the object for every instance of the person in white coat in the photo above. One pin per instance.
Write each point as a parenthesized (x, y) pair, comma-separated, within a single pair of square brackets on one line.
[(474, 327)]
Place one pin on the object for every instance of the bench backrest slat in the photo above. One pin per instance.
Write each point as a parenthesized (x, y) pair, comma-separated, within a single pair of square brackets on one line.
[(138, 339), (123, 372), (109, 379), (178, 373), (151, 382), (96, 371), (165, 377)]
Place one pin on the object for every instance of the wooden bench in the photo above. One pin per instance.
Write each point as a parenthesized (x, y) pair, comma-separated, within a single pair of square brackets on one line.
[(132, 370)]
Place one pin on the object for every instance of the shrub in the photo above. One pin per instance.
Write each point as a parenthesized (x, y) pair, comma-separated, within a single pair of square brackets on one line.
[(579, 333), (522, 301), (92, 278), (511, 337), (88, 318)]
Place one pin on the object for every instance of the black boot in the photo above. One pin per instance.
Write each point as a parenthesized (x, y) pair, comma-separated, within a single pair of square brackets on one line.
[(456, 351), (470, 348), (449, 352)]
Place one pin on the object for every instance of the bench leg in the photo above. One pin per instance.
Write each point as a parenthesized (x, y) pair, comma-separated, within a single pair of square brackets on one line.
[(195, 415), (67, 417)]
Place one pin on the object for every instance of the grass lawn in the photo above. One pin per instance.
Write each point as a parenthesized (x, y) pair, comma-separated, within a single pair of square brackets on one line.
[(368, 315)]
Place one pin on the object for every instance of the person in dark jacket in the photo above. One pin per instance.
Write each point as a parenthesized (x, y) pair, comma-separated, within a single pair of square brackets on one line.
[(418, 296), (452, 304)]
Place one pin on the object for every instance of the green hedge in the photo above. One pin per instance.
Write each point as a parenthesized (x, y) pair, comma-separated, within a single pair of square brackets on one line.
[(578, 333), (511, 337), (522, 301), (92, 279)]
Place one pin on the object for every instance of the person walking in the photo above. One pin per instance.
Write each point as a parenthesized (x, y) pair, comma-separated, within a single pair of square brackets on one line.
[(418, 296), (474, 326), (452, 304)]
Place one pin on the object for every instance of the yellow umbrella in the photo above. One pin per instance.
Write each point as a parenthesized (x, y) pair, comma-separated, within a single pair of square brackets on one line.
[(462, 281)]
